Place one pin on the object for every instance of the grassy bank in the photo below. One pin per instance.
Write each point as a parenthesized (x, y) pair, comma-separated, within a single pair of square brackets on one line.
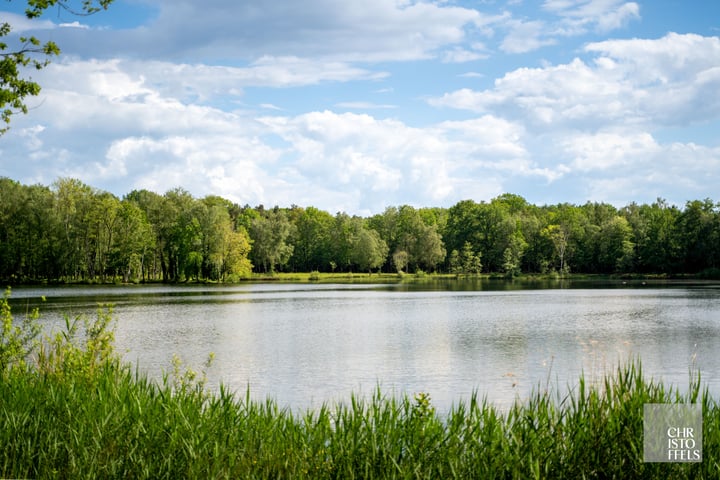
[(116, 425), (71, 410)]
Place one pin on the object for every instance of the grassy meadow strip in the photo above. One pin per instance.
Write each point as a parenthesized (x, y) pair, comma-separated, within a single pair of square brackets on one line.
[(75, 411)]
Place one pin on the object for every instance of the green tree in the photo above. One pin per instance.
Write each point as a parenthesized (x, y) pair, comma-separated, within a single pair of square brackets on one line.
[(462, 225), (134, 241), (340, 241), (368, 250), (104, 215), (700, 235), (235, 255), (568, 231), (487, 226), (30, 53), (224, 250), (512, 256), (559, 235), (497, 226), (422, 243), (538, 253), (616, 249), (160, 218), (73, 207), (465, 262), (386, 225), (41, 246), (270, 233), (400, 260), (12, 228), (311, 240)]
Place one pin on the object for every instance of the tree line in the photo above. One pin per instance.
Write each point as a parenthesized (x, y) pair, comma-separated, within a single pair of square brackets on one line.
[(70, 231)]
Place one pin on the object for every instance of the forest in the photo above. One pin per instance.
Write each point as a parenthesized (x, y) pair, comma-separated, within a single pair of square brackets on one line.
[(72, 232)]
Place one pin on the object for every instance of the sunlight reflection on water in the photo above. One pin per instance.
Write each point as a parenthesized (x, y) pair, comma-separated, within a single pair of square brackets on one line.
[(306, 344)]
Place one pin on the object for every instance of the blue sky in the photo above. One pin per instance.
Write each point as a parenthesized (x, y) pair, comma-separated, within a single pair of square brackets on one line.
[(356, 106)]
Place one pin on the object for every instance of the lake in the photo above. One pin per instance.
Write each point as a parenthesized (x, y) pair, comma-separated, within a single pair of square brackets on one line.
[(306, 344)]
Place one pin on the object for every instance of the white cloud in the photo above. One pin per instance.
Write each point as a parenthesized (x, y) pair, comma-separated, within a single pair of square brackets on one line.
[(669, 81), (599, 126), (116, 79), (74, 24), (674, 78), (602, 15), (610, 150), (566, 94), (374, 30), (458, 54), (674, 57), (106, 124), (22, 24), (525, 36), (270, 106), (571, 18), (364, 105), (203, 164), (677, 172)]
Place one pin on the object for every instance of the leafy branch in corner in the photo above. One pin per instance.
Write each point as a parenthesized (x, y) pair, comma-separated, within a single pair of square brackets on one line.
[(30, 53)]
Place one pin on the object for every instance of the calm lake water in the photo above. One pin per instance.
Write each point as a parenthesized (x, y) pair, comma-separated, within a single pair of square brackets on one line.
[(306, 344)]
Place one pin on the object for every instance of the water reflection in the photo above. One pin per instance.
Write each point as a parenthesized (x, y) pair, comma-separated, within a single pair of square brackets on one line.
[(309, 344)]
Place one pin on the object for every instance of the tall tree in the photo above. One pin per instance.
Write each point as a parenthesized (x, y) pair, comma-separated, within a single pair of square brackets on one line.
[(224, 250), (462, 226), (615, 246), (311, 240), (368, 250), (465, 262), (185, 252), (700, 235), (422, 243), (156, 210), (513, 254), (73, 205), (340, 242), (134, 242), (270, 233)]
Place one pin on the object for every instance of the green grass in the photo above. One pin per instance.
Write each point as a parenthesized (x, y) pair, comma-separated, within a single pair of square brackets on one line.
[(119, 425), (75, 411)]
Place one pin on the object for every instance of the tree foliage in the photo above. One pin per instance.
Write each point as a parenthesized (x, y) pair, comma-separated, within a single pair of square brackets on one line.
[(71, 232), (271, 232), (25, 54)]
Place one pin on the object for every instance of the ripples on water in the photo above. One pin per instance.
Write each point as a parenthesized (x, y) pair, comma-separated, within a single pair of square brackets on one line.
[(305, 344)]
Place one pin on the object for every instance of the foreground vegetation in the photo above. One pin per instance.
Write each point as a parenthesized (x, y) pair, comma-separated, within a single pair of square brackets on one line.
[(71, 232), (70, 409)]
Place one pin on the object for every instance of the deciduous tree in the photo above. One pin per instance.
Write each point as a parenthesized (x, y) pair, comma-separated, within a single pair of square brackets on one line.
[(20, 54)]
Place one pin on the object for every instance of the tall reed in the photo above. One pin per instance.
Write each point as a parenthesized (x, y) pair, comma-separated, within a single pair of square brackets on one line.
[(62, 419)]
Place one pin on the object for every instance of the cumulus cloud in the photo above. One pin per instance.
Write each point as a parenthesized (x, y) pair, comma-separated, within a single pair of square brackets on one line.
[(397, 161), (677, 172), (665, 81), (595, 121), (116, 78), (573, 93), (246, 100), (674, 77), (609, 150), (115, 129)]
